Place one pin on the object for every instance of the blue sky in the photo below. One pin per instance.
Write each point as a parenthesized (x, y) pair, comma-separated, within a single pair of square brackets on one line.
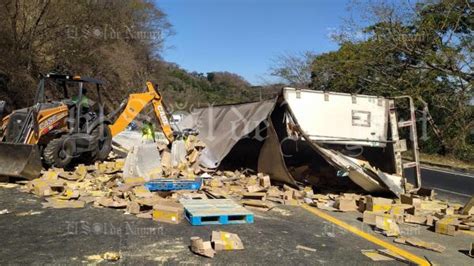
[(243, 36)]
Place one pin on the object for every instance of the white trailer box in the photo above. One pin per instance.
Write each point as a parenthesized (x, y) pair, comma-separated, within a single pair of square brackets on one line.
[(340, 118)]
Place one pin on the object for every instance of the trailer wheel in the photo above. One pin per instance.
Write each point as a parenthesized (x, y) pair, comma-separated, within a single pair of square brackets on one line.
[(58, 153)]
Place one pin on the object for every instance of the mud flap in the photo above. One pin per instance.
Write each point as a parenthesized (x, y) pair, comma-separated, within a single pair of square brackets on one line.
[(20, 160)]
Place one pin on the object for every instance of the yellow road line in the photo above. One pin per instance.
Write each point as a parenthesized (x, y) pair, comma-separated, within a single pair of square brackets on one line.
[(403, 253), (468, 232)]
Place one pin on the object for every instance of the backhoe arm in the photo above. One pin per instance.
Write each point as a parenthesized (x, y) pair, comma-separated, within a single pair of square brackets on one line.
[(160, 112), (136, 103)]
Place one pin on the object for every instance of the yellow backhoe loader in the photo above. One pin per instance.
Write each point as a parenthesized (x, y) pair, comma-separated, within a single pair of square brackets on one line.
[(60, 133)]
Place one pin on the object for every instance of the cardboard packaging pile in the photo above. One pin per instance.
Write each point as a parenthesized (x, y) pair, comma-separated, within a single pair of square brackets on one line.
[(104, 186), (385, 215)]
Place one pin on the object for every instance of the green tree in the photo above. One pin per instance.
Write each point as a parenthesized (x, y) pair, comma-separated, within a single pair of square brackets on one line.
[(427, 54)]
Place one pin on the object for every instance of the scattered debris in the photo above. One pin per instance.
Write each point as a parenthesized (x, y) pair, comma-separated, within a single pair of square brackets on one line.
[(375, 255), (4, 211), (386, 214), (8, 185), (62, 204), (108, 256), (28, 213), (111, 256), (382, 255), (413, 241), (106, 185), (305, 248)]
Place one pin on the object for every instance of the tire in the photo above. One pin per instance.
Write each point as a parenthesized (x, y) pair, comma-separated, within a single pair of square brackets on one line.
[(91, 156), (57, 153), (104, 141)]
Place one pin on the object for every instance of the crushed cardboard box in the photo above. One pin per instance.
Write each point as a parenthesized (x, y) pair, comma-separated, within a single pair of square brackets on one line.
[(413, 241), (383, 255), (226, 241), (203, 248), (108, 256)]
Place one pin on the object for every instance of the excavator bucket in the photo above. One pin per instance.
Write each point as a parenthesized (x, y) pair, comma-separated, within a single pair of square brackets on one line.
[(20, 160)]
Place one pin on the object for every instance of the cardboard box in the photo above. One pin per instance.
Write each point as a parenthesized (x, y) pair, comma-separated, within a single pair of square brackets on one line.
[(388, 225), (346, 205), (431, 220), (291, 202), (361, 204), (168, 212), (446, 226), (203, 248), (254, 196), (433, 206), (369, 217), (256, 203), (400, 209), (254, 188), (425, 192), (418, 212), (264, 181), (226, 241), (378, 204), (142, 192), (448, 211), (468, 209), (133, 207), (415, 219), (410, 199)]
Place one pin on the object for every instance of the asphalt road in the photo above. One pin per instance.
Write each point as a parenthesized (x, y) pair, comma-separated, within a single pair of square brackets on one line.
[(65, 236), (450, 184), (69, 236)]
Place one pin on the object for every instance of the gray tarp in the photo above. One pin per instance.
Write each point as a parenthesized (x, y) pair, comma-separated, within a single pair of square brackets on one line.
[(221, 127)]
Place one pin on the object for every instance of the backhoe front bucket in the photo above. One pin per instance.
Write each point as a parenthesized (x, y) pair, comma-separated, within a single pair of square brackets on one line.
[(20, 160)]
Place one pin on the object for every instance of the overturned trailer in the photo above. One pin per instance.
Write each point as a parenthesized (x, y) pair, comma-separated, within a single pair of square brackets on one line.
[(323, 138)]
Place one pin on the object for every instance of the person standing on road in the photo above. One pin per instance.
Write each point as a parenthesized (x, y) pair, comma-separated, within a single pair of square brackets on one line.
[(148, 131)]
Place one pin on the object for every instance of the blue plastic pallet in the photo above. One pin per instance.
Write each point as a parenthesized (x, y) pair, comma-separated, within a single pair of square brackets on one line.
[(167, 184), (215, 211)]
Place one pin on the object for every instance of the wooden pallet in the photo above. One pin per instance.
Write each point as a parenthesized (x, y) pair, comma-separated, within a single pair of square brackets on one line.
[(215, 211)]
